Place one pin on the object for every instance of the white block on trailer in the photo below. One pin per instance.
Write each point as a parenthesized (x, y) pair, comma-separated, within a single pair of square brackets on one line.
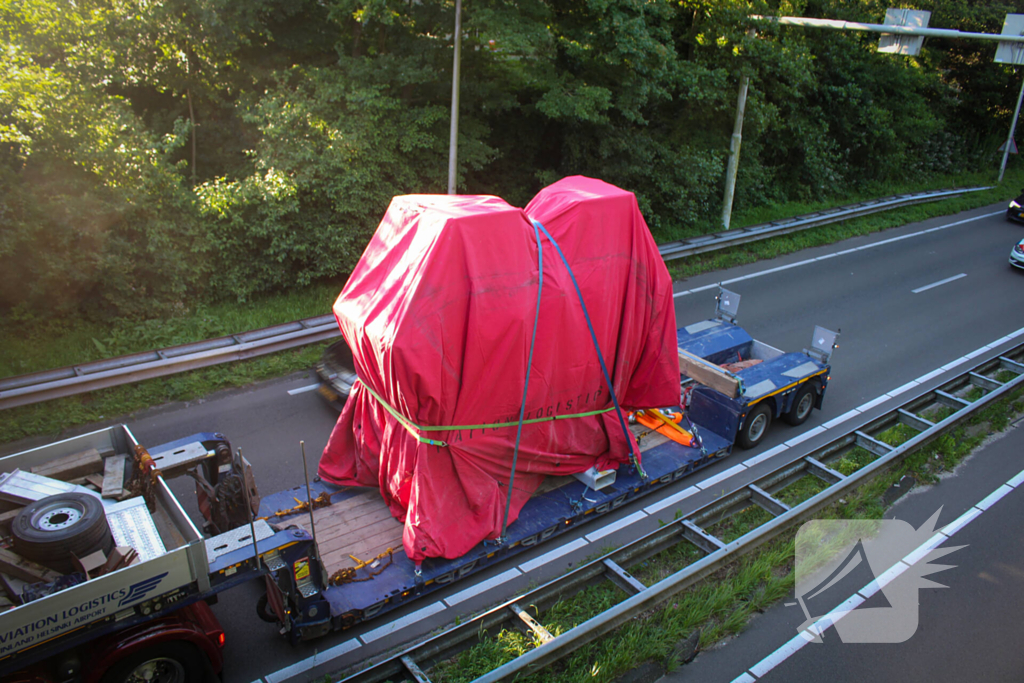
[(596, 479)]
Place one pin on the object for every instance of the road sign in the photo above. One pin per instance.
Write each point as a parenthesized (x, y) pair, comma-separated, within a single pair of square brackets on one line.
[(1013, 146), (901, 44), (1007, 52)]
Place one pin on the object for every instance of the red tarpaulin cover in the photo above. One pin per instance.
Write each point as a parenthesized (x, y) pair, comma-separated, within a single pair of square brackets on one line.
[(439, 315)]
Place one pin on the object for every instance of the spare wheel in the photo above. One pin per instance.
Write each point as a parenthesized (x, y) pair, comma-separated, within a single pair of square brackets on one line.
[(48, 531)]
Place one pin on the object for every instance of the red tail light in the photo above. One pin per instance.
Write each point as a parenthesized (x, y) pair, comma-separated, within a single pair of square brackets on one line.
[(1019, 248), (221, 639)]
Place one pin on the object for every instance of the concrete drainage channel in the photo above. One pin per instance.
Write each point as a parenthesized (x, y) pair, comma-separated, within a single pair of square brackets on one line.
[(952, 397), (77, 379)]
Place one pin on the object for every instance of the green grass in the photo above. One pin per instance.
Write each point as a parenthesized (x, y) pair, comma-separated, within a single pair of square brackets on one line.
[(853, 460), (731, 528), (802, 489), (974, 393), (897, 435), (937, 413), (1005, 376), (666, 563), (720, 605)]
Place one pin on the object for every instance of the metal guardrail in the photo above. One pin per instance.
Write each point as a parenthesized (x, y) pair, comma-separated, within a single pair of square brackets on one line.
[(413, 662), (77, 379), (753, 233)]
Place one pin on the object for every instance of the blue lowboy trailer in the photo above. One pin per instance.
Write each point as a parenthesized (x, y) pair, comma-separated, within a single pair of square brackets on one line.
[(360, 543)]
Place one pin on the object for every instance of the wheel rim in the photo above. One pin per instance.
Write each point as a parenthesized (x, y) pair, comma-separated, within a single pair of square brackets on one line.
[(757, 426), (57, 517), (804, 407), (157, 670)]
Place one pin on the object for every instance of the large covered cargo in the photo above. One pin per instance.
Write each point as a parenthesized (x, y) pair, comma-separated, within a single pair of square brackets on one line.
[(440, 316)]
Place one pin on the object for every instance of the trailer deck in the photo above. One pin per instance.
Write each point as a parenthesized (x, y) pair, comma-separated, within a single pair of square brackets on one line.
[(358, 524)]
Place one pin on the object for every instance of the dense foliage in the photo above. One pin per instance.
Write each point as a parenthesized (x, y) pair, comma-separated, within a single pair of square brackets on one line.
[(154, 156)]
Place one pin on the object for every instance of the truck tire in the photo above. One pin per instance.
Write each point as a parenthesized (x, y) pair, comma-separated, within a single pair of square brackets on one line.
[(755, 426), (48, 531), (169, 662), (803, 404)]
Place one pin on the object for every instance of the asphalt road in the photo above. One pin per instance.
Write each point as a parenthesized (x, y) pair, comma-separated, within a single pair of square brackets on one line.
[(890, 335), (968, 631)]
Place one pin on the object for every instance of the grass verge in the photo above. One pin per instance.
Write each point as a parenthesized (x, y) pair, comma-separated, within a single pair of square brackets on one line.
[(721, 605)]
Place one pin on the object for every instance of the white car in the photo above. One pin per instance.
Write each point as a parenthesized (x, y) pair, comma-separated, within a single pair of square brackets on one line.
[(1017, 255)]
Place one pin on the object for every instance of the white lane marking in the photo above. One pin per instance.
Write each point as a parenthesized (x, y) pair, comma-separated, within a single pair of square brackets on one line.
[(839, 253), (807, 635), (883, 579), (770, 453), (960, 522), (848, 415), (992, 498), (527, 567), (720, 477), (864, 407), (612, 528), (744, 678), (931, 375), (302, 390), (806, 435), (487, 585), (953, 364), (918, 554), (938, 284), (671, 500), (779, 656), (976, 353), (397, 625), (899, 390), (1016, 481), (311, 662)]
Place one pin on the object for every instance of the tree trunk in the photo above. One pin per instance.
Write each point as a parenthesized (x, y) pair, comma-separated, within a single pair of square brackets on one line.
[(192, 118)]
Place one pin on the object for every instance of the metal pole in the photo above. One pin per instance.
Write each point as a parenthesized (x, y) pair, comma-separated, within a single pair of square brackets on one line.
[(1013, 127), (453, 144), (248, 509), (888, 28), (309, 496), (734, 153)]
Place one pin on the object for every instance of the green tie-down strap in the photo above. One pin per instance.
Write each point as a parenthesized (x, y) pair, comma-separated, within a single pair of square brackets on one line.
[(415, 429)]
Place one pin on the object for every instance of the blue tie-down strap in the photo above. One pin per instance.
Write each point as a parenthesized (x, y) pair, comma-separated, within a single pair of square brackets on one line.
[(597, 347)]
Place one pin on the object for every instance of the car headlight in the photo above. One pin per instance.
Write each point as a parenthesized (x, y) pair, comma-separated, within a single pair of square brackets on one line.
[(1014, 204)]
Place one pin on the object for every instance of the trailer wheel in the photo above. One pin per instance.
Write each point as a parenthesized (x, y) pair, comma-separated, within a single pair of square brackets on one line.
[(48, 531), (803, 404), (755, 426), (170, 662), (264, 611)]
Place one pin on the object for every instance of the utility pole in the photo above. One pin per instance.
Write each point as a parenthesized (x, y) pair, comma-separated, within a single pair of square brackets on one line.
[(734, 152), (1013, 127), (453, 143)]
